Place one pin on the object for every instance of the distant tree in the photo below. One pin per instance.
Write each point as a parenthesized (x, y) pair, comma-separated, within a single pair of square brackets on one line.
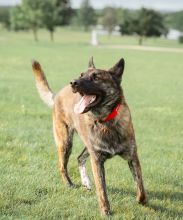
[(109, 19), (126, 27), (50, 16), (18, 18), (86, 15), (28, 15), (174, 20), (33, 11), (65, 12), (126, 21), (181, 39), (148, 23), (5, 17), (33, 14)]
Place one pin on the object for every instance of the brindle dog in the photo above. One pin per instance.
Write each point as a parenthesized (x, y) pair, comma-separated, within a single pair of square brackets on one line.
[(94, 106)]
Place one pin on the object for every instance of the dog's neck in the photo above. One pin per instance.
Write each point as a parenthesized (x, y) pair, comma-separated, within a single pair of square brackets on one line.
[(113, 114), (108, 113)]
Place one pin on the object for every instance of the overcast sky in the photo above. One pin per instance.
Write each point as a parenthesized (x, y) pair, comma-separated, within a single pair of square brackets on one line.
[(170, 5)]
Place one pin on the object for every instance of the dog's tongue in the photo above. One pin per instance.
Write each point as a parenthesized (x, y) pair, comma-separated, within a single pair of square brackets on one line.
[(83, 103)]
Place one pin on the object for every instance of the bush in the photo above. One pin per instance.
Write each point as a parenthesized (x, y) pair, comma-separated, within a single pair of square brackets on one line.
[(181, 39), (5, 17)]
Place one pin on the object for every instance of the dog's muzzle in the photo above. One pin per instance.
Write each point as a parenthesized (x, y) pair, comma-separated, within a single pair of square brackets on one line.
[(74, 84)]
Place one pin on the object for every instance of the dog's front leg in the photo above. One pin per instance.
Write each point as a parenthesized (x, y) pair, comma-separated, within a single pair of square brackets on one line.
[(99, 178), (82, 168)]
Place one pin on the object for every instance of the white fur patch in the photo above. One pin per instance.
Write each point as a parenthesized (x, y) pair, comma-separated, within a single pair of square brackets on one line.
[(84, 177)]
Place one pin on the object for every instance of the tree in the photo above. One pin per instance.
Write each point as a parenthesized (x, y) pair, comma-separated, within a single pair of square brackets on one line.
[(55, 12), (5, 17), (181, 39), (33, 14), (148, 23), (33, 11), (65, 12), (174, 20), (86, 15), (126, 21), (109, 19), (28, 16), (18, 19), (50, 16)]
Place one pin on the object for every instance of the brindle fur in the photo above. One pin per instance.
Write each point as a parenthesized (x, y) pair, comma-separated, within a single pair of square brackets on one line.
[(103, 140)]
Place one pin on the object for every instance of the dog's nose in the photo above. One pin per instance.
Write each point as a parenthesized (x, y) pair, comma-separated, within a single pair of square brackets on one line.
[(74, 83)]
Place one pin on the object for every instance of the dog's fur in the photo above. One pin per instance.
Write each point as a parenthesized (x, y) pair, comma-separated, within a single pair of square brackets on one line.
[(102, 139)]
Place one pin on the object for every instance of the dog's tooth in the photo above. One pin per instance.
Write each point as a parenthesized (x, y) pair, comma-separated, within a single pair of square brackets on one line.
[(92, 99)]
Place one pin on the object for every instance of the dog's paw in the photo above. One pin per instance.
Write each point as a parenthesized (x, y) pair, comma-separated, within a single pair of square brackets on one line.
[(142, 199), (105, 213), (86, 183)]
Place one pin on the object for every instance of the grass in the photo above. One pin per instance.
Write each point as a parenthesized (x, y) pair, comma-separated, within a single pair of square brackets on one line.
[(30, 184)]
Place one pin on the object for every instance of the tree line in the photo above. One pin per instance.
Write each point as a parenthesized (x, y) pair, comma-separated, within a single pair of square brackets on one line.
[(33, 15)]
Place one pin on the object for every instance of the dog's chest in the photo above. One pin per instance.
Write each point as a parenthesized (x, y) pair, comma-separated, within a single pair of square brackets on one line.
[(108, 139)]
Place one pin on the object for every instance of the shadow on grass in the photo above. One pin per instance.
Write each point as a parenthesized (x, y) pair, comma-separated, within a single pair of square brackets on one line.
[(11, 208), (160, 195), (25, 201), (173, 213)]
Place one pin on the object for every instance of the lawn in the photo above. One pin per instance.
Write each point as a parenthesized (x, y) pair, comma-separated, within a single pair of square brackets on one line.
[(30, 183)]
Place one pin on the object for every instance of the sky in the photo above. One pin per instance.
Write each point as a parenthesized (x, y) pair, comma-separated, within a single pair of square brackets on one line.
[(163, 5)]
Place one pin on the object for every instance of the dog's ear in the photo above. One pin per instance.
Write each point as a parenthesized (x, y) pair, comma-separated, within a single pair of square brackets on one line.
[(117, 69), (90, 63)]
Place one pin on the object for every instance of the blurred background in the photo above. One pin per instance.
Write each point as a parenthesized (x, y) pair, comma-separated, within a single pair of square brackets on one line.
[(141, 19)]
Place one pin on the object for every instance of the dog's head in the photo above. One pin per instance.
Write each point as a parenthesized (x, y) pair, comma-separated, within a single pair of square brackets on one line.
[(99, 89)]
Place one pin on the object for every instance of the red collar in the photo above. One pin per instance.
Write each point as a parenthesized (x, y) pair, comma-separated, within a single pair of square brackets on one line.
[(113, 114)]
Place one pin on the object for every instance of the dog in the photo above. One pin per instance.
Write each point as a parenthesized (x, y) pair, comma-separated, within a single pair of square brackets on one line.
[(94, 106)]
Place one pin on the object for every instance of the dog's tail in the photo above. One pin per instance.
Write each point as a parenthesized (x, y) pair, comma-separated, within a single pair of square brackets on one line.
[(42, 84)]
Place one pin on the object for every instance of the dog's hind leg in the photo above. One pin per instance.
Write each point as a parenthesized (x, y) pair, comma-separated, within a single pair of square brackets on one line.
[(63, 137), (82, 168), (134, 165)]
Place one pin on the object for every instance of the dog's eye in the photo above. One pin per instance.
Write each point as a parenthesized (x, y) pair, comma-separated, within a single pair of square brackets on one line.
[(94, 76)]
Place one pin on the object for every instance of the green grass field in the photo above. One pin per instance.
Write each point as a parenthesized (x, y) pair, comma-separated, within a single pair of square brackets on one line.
[(30, 183)]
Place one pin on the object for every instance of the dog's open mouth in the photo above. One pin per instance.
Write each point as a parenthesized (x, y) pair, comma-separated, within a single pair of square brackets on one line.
[(86, 102)]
